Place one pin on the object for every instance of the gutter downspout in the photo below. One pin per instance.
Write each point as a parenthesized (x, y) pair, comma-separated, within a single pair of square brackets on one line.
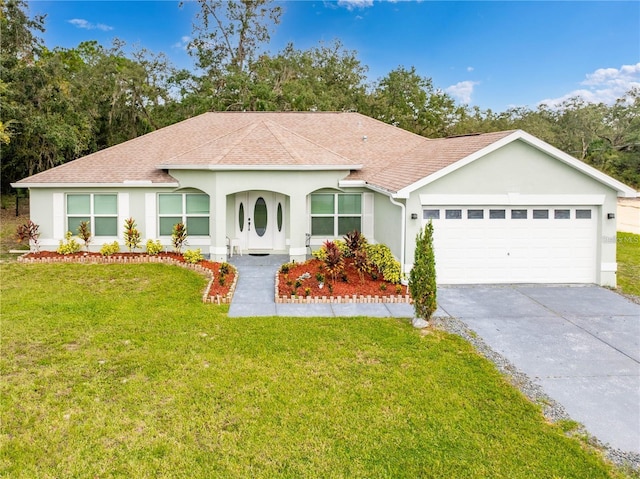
[(403, 232)]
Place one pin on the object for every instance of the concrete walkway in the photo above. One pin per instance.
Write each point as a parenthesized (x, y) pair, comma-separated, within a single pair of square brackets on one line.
[(255, 295)]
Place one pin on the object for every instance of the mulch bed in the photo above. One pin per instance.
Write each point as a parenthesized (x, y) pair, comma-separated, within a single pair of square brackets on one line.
[(214, 293), (348, 287)]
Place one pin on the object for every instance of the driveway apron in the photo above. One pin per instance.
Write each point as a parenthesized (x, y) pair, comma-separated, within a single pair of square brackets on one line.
[(580, 343)]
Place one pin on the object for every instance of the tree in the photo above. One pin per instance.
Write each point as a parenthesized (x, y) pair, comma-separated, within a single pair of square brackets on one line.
[(422, 280), (228, 33), (405, 99)]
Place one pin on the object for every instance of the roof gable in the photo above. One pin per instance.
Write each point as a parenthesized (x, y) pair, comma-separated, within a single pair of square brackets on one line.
[(519, 135)]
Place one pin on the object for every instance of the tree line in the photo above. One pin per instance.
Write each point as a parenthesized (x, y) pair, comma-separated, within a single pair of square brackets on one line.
[(62, 103)]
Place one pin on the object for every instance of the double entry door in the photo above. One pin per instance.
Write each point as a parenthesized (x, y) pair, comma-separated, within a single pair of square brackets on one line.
[(260, 221)]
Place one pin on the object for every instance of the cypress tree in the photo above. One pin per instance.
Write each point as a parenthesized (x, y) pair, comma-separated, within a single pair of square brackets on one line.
[(422, 280)]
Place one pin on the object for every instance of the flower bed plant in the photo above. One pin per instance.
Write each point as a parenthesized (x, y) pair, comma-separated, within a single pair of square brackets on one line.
[(343, 271)]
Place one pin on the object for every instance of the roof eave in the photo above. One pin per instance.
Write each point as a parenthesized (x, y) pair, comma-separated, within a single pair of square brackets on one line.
[(262, 167), (124, 184)]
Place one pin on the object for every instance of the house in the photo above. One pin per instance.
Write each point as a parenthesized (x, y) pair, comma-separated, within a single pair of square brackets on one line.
[(506, 207)]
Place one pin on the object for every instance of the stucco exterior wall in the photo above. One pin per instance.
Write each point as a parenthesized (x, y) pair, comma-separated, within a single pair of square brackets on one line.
[(387, 223), (48, 210), (519, 168), (222, 185)]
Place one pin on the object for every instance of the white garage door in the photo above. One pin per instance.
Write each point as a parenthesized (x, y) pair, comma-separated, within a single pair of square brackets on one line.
[(514, 244)]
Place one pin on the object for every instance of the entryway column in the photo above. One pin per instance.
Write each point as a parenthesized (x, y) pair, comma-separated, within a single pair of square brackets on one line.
[(217, 225), (298, 227)]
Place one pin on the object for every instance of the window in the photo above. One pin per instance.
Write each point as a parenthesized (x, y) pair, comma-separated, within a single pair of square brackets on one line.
[(192, 209), (431, 214), (453, 214), (540, 214), (562, 214), (518, 214), (583, 214), (335, 214), (100, 210), (475, 214), (497, 214)]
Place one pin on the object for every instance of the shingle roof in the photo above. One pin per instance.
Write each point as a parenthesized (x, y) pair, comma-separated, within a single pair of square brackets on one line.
[(380, 154)]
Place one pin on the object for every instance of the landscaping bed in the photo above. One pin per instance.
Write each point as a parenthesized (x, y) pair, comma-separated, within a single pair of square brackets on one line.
[(309, 282), (219, 289)]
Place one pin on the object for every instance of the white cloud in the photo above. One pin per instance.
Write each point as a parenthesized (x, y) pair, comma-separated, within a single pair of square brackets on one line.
[(183, 43), (462, 90), (87, 25), (605, 85), (353, 4), (470, 69)]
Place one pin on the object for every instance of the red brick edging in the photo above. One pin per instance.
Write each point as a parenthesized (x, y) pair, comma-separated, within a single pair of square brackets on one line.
[(137, 259)]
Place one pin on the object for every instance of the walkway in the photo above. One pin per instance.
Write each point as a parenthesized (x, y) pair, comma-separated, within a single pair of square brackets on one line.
[(255, 295)]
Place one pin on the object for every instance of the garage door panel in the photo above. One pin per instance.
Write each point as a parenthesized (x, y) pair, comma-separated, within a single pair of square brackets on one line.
[(491, 250)]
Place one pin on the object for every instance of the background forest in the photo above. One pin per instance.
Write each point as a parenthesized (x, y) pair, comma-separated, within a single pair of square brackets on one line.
[(59, 104)]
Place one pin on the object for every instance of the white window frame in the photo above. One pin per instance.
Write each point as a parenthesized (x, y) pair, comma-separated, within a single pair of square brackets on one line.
[(335, 215), (183, 215), (92, 215)]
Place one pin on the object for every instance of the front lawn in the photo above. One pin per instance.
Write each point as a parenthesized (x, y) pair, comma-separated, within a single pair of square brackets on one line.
[(629, 263), (121, 371)]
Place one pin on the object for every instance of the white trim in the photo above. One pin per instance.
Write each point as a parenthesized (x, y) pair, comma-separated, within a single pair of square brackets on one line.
[(367, 210), (608, 267), (511, 199), (261, 167), (123, 212), (298, 251), (218, 250), (622, 189), (59, 215), (95, 185), (352, 184)]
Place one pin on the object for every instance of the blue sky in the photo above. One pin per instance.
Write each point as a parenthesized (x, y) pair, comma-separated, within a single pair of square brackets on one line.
[(488, 54)]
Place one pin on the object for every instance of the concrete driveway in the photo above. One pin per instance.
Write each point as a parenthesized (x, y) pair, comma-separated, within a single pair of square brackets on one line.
[(580, 343)]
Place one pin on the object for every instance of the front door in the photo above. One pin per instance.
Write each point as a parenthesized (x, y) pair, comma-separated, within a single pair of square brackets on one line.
[(259, 220)]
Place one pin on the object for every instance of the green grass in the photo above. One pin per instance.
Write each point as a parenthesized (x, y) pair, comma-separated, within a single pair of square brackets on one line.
[(121, 371), (629, 263)]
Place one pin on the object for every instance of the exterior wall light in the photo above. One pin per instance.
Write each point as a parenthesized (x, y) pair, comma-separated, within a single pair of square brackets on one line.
[(414, 216), (611, 216)]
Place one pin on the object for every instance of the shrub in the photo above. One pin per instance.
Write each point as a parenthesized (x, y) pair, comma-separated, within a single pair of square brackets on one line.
[(354, 242), (153, 247), (69, 245), (131, 234), (284, 269), (361, 263), (225, 268), (381, 257), (422, 280), (179, 237), (29, 232), (110, 248), (84, 232), (320, 277), (307, 291), (193, 256), (333, 260)]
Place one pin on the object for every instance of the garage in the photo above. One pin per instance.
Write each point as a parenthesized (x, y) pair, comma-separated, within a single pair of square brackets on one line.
[(515, 243)]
